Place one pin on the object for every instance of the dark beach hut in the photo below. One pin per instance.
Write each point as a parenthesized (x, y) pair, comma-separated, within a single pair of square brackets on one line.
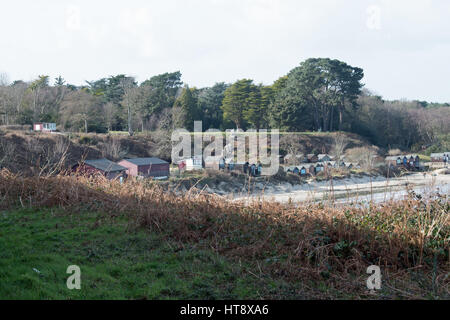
[(105, 167), (146, 167)]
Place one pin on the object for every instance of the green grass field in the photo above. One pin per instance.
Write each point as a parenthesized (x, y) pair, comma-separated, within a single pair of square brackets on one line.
[(116, 261), (137, 241)]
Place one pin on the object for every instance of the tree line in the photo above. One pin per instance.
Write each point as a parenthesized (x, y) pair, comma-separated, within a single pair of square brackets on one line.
[(318, 95)]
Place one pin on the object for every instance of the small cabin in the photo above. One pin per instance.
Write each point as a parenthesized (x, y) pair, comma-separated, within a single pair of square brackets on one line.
[(394, 161), (319, 168), (407, 161), (416, 161), (348, 165), (105, 167), (412, 161), (146, 167), (195, 163), (303, 171), (254, 170), (323, 158), (440, 157), (330, 164), (312, 158), (306, 169), (44, 127), (294, 170)]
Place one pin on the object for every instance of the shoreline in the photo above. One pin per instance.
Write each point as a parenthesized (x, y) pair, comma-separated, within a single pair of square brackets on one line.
[(352, 189)]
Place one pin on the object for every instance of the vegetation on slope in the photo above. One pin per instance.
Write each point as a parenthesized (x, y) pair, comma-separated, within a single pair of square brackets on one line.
[(116, 262), (312, 247), (319, 94)]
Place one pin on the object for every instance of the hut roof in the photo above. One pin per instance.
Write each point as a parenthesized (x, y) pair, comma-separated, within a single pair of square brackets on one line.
[(411, 156), (105, 165), (146, 161)]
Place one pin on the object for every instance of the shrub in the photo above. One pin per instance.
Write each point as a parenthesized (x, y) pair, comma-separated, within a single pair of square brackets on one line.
[(292, 241)]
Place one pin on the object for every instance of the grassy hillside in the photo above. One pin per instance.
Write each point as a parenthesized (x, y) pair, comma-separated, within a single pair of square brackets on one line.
[(30, 153), (116, 262), (202, 246)]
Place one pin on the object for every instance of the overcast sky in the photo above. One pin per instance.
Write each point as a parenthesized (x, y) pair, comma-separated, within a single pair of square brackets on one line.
[(402, 45)]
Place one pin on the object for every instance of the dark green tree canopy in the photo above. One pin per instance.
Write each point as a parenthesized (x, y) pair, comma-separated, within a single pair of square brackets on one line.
[(210, 102), (238, 100), (320, 94), (317, 92), (188, 105)]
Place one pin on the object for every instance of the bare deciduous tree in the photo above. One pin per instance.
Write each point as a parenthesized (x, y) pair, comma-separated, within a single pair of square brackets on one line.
[(365, 156), (113, 149), (339, 145), (109, 111), (53, 159), (293, 147), (78, 108), (130, 99)]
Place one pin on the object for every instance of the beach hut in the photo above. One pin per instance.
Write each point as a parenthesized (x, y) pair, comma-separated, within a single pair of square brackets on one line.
[(259, 169), (323, 158), (194, 163), (253, 170), (319, 168), (413, 161), (105, 167), (311, 158), (439, 157), (303, 171), (331, 164), (292, 169), (349, 165), (44, 127), (306, 169), (394, 161), (146, 167)]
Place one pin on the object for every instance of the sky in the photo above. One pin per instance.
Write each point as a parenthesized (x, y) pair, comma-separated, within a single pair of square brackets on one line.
[(403, 46)]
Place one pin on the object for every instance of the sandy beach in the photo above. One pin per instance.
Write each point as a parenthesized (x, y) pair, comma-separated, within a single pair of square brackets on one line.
[(355, 189)]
